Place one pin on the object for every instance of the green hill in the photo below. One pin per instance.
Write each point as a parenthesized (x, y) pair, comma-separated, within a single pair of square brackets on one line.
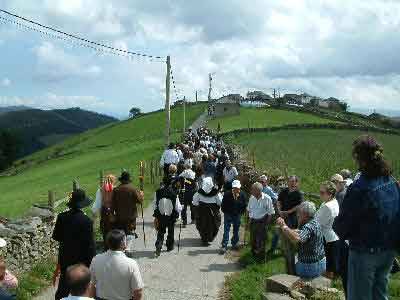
[(264, 117), (39, 128), (108, 148)]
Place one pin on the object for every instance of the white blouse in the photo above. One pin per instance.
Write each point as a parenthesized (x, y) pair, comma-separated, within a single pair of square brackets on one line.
[(325, 215)]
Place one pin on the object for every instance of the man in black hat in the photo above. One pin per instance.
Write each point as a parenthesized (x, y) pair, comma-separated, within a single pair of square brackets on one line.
[(125, 199), (74, 232)]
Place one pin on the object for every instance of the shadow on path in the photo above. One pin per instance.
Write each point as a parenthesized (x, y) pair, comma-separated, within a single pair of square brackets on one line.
[(228, 267), (202, 252)]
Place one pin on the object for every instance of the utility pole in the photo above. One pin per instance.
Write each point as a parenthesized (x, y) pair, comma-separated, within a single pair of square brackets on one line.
[(167, 106), (196, 96), (210, 87), (184, 114), (274, 94)]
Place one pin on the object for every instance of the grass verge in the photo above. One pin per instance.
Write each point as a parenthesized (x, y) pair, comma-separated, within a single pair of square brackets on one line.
[(36, 280), (249, 283)]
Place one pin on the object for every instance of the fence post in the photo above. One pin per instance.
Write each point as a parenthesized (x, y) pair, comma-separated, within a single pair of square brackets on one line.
[(101, 177), (51, 197), (151, 172)]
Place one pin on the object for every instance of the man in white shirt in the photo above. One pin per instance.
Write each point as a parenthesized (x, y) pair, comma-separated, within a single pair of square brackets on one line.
[(230, 173), (260, 210), (78, 280), (114, 275), (169, 157)]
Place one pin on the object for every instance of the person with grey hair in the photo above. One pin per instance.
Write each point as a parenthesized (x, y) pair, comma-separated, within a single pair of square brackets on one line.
[(309, 239), (79, 282), (346, 174), (260, 209)]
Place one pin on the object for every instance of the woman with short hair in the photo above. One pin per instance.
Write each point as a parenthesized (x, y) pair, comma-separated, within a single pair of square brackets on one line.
[(309, 238), (325, 215)]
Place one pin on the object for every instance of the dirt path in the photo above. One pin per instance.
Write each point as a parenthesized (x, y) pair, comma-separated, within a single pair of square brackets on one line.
[(195, 273)]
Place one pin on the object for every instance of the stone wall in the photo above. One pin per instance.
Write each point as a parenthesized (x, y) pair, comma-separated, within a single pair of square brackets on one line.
[(28, 239)]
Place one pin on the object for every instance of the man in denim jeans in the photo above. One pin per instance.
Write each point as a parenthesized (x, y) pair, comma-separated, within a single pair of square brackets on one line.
[(369, 218), (233, 206)]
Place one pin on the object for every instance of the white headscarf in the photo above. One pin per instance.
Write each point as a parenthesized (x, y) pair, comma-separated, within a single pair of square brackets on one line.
[(207, 184)]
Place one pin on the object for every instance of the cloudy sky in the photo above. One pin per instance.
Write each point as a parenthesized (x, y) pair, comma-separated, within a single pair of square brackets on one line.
[(341, 48)]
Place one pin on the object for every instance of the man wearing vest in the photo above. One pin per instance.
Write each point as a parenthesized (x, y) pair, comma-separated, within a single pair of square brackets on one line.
[(167, 208)]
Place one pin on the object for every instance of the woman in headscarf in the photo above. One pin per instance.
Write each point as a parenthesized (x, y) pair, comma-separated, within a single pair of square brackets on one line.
[(102, 205), (208, 217)]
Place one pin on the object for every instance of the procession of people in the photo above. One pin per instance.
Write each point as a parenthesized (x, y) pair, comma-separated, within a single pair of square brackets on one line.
[(355, 228)]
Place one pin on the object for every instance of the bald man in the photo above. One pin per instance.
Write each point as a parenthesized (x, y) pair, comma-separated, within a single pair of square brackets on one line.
[(78, 281)]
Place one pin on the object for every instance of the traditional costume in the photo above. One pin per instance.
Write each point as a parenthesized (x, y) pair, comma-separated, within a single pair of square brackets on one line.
[(188, 184), (166, 211), (102, 205), (125, 199), (208, 218)]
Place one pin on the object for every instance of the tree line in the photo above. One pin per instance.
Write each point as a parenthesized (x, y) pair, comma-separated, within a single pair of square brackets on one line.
[(9, 148)]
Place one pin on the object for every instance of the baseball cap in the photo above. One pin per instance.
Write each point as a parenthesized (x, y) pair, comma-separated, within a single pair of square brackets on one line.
[(3, 243), (236, 184)]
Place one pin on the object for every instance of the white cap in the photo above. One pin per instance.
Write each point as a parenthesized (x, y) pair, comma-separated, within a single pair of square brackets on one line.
[(236, 184), (263, 178), (3, 243)]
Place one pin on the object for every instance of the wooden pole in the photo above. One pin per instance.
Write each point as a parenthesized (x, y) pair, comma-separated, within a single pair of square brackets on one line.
[(101, 178), (196, 96), (51, 200), (184, 114), (167, 97)]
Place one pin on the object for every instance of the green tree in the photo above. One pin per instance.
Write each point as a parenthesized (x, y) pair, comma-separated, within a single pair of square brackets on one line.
[(9, 148), (134, 112)]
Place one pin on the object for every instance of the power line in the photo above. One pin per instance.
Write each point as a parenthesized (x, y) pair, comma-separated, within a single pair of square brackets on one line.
[(174, 86), (65, 36)]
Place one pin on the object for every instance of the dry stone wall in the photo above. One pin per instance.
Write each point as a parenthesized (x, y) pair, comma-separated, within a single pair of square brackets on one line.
[(28, 239)]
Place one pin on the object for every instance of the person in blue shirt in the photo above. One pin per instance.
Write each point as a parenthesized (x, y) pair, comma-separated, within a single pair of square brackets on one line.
[(369, 218), (264, 180)]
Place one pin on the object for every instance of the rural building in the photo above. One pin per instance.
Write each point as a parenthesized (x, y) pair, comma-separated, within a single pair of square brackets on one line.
[(333, 103), (258, 96), (228, 105)]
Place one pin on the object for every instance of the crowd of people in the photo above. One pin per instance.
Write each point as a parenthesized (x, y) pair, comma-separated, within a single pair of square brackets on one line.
[(353, 234)]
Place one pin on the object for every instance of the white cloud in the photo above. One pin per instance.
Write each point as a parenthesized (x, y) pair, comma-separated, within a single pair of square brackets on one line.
[(52, 100), (54, 64), (340, 48), (5, 82)]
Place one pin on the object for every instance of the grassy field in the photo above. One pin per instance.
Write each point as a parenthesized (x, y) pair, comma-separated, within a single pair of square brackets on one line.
[(313, 154), (109, 148), (261, 117)]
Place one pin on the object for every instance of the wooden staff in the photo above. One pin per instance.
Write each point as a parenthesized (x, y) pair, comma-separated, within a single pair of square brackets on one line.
[(141, 182)]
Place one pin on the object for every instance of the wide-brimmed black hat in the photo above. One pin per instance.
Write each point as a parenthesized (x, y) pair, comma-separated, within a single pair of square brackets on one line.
[(79, 199), (125, 177)]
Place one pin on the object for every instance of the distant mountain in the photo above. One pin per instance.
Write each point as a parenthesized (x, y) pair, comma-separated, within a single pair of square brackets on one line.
[(7, 109), (38, 129)]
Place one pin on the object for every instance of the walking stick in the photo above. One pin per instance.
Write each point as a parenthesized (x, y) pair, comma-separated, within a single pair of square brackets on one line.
[(179, 237), (245, 230), (141, 180)]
